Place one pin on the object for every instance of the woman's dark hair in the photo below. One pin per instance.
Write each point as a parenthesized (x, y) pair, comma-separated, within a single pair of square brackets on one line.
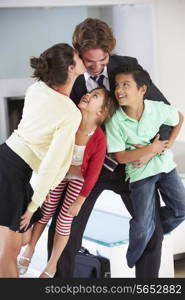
[(140, 75), (52, 65), (92, 34)]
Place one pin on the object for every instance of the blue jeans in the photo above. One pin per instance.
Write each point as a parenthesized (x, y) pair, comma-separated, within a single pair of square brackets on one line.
[(142, 224)]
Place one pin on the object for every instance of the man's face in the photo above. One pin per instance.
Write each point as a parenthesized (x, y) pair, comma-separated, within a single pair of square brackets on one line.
[(95, 60)]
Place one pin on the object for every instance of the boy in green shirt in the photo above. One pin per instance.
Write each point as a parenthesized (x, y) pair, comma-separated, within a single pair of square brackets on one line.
[(129, 133)]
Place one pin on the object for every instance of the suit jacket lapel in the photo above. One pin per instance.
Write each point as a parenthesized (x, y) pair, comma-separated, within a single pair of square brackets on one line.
[(110, 68), (81, 85), (79, 89)]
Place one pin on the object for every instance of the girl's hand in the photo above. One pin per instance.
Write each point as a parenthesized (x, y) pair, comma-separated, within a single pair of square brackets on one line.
[(76, 206), (25, 219), (47, 198), (74, 209), (75, 170)]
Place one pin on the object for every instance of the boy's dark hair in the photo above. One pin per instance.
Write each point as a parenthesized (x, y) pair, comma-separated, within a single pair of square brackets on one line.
[(52, 65), (140, 75), (93, 33)]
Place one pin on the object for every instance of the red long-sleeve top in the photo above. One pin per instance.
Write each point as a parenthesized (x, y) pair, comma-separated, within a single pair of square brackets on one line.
[(93, 160)]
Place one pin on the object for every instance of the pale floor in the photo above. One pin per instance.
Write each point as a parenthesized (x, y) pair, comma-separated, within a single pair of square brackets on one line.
[(40, 258), (179, 270)]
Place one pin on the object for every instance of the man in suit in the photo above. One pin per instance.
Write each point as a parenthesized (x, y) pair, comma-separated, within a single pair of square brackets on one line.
[(94, 41)]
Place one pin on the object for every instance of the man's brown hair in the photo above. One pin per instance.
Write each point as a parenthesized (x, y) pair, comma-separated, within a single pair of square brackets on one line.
[(92, 34)]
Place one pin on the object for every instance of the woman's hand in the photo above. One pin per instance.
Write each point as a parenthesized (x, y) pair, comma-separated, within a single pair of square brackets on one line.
[(25, 219)]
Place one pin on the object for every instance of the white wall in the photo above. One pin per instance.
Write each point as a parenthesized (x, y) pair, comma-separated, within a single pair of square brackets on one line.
[(154, 33), (170, 52), (26, 32), (133, 29)]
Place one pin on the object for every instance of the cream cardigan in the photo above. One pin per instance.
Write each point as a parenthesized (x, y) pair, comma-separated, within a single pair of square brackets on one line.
[(45, 137)]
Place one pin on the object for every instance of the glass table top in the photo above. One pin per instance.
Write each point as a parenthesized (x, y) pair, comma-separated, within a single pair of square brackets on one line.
[(107, 229)]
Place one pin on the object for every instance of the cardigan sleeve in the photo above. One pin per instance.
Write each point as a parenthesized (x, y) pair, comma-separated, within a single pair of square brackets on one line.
[(94, 166), (56, 162)]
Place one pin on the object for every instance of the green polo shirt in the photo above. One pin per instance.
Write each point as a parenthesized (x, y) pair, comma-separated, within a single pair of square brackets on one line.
[(123, 131)]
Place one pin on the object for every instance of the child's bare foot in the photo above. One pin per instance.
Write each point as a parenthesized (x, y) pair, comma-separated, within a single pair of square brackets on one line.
[(46, 274), (49, 271)]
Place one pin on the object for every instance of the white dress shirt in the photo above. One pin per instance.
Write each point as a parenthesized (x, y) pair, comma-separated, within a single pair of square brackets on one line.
[(92, 84)]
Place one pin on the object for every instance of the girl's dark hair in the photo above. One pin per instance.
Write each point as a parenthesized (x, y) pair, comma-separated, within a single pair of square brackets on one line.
[(108, 106), (52, 65)]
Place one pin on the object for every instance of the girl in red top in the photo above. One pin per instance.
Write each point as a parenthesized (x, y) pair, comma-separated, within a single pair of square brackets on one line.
[(87, 161)]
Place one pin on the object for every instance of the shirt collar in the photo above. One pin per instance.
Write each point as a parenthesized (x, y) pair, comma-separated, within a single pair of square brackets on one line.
[(104, 72), (123, 116)]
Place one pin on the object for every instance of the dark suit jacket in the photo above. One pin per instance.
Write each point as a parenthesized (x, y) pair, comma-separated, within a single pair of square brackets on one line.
[(79, 88)]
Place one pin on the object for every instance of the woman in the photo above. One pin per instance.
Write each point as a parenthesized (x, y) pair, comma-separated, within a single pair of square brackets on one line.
[(43, 142)]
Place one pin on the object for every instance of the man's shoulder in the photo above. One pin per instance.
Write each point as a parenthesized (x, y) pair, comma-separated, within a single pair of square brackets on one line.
[(117, 59)]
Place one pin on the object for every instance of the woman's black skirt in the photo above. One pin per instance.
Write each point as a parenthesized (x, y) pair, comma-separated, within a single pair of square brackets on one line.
[(15, 189)]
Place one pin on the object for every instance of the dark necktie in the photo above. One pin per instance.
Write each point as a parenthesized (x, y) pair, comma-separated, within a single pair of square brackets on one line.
[(99, 80)]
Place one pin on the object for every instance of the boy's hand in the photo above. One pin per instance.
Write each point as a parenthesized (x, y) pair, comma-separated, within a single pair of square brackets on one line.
[(142, 161)]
